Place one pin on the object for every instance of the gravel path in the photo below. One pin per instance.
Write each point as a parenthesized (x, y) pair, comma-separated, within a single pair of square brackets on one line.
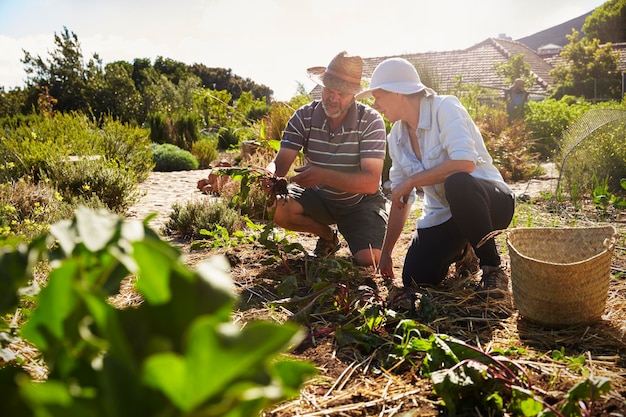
[(162, 189)]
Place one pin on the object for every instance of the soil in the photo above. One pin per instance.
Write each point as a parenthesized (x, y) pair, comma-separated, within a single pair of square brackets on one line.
[(349, 382)]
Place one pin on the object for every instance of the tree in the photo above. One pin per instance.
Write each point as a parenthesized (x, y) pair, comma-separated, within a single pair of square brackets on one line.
[(607, 22), (223, 79), (120, 94), (12, 102), (515, 67), (64, 74), (588, 69)]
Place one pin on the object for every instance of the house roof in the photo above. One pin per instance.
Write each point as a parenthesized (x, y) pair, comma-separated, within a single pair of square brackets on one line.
[(476, 65)]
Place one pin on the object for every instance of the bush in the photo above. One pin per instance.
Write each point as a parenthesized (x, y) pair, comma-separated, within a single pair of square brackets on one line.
[(181, 129), (29, 149), (158, 128), (205, 151), (229, 137), (599, 158), (28, 209), (129, 146), (168, 157), (547, 120), (95, 182), (187, 220), (509, 145)]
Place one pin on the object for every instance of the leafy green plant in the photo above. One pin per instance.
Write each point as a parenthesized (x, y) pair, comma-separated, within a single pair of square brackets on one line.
[(220, 237), (603, 198), (168, 157), (188, 220), (177, 353), (102, 180), (27, 209), (205, 151), (469, 379)]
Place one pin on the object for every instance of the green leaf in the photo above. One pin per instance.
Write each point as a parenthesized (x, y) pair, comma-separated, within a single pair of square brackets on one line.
[(524, 403), (590, 389), (154, 272), (56, 302), (65, 235), (46, 394), (96, 228), (288, 286), (217, 356), (215, 271)]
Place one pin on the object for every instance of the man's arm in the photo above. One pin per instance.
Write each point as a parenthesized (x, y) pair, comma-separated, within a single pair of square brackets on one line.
[(365, 181), (282, 161)]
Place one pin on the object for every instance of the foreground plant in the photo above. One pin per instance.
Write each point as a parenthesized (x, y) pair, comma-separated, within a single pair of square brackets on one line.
[(178, 353), (469, 379)]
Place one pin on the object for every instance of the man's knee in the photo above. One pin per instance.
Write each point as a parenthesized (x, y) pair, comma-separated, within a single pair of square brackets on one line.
[(367, 257)]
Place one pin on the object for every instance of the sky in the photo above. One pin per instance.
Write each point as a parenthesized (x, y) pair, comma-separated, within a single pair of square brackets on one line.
[(271, 42)]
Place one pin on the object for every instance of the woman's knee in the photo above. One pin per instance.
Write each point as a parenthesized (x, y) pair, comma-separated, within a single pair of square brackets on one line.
[(425, 274)]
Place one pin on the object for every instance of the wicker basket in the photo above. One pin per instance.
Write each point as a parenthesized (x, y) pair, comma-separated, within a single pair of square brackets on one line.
[(560, 276)]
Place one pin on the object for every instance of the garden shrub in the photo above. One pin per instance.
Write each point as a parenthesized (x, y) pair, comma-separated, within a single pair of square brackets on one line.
[(168, 157), (27, 209), (547, 120), (276, 121), (87, 179), (187, 219), (599, 158), (509, 145), (129, 146), (254, 206), (205, 151), (158, 128), (181, 129), (29, 149), (186, 129), (230, 136)]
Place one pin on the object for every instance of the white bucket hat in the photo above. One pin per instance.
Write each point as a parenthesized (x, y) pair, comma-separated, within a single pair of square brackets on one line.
[(396, 75)]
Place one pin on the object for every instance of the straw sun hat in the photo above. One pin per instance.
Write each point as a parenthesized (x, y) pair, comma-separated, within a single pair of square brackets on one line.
[(396, 75), (343, 73)]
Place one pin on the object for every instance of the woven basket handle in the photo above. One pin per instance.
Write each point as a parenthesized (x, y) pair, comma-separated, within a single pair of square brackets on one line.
[(491, 235), (609, 242)]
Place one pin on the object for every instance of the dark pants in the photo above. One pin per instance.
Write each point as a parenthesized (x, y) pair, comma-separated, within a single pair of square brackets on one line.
[(477, 208)]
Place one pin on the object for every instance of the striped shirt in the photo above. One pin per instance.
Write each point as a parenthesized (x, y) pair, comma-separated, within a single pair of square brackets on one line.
[(362, 135)]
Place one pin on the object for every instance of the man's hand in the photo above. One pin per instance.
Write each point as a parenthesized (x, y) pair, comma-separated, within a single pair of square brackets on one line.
[(308, 176)]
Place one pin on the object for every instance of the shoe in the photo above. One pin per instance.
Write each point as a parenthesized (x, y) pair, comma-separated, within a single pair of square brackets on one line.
[(493, 283), (326, 247)]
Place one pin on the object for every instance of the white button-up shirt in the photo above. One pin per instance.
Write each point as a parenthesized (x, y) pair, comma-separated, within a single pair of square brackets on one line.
[(445, 131)]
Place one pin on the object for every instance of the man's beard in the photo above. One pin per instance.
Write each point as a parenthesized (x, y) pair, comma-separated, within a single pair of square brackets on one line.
[(334, 111)]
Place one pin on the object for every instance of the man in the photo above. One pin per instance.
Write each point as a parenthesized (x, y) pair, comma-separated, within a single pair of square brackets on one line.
[(344, 145), (516, 97)]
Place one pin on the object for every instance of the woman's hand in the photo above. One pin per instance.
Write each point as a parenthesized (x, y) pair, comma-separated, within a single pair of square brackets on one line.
[(385, 266)]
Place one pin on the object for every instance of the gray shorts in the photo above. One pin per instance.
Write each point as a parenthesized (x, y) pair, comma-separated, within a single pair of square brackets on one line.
[(363, 225)]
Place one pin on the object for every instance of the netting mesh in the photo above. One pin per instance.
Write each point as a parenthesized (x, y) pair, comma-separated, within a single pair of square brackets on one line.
[(582, 128)]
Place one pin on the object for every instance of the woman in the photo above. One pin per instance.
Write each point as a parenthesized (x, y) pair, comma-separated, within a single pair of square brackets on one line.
[(435, 146)]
